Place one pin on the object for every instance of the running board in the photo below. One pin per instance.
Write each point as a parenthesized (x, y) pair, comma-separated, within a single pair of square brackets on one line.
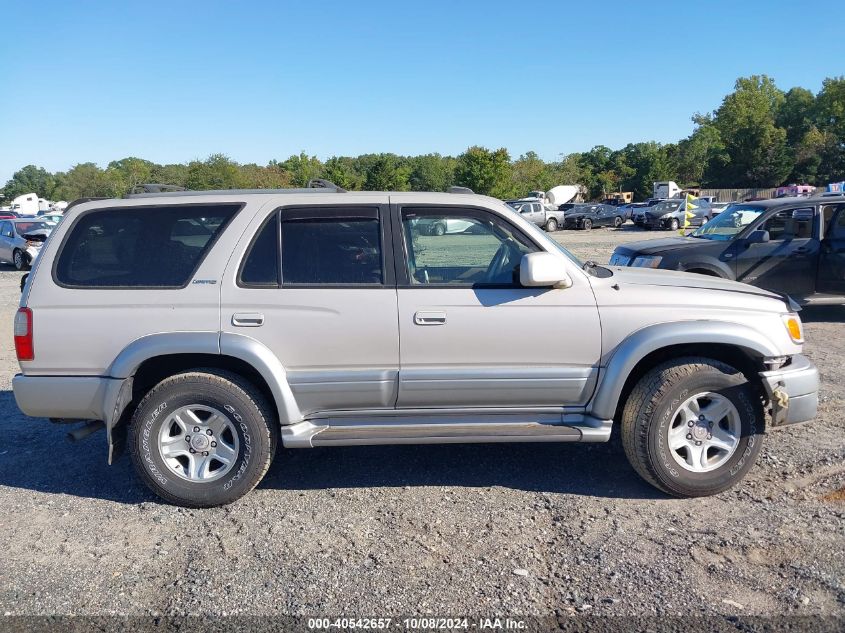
[(445, 429)]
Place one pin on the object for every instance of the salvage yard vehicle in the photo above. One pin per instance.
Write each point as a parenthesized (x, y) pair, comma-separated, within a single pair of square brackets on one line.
[(670, 214), (547, 217), (587, 216), (787, 245), (21, 240), (211, 326)]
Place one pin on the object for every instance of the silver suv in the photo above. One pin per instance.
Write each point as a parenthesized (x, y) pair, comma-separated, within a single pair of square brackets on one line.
[(209, 326)]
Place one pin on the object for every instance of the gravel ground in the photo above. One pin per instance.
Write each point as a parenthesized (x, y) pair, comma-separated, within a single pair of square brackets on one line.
[(519, 530)]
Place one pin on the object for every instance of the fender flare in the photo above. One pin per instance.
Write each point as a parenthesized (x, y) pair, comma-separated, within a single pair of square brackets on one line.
[(244, 348), (655, 337)]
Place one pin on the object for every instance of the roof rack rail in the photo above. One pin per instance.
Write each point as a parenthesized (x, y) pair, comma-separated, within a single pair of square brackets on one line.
[(455, 189), (81, 201), (322, 183), (153, 187)]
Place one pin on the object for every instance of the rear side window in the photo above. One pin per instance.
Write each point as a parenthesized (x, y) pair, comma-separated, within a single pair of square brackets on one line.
[(140, 247), (326, 251)]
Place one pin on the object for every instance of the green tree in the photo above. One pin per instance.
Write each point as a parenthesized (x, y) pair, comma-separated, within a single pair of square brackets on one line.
[(385, 172), (302, 168), (830, 119), (431, 172), (703, 147), (218, 171), (342, 171), (30, 179), (756, 147), (530, 173), (484, 171)]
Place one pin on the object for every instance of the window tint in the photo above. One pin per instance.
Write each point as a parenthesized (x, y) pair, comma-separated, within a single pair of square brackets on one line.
[(839, 227), (790, 224), (261, 266), (140, 247), (331, 250), (462, 248)]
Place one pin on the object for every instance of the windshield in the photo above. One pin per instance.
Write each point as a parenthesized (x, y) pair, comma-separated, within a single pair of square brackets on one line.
[(667, 206), (29, 227), (729, 223)]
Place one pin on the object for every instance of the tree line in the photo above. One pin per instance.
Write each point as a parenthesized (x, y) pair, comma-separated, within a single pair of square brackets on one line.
[(760, 136)]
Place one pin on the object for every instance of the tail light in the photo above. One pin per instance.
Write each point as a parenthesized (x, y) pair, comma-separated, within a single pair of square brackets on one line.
[(23, 335)]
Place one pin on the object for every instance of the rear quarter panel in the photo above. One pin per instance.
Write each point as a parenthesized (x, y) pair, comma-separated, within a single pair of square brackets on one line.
[(81, 331)]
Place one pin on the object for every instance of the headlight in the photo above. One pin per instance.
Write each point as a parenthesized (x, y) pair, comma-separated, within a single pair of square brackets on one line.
[(666, 215), (792, 322), (650, 261)]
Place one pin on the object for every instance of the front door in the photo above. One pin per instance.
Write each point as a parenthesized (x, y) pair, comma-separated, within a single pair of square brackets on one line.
[(7, 236), (326, 307), (832, 258), (787, 262), (470, 335)]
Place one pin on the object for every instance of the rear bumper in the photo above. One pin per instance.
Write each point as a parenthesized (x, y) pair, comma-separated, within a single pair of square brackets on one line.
[(72, 397), (793, 391)]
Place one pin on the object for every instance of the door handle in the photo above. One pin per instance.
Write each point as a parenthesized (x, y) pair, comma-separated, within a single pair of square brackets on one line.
[(430, 318), (248, 319), (801, 250)]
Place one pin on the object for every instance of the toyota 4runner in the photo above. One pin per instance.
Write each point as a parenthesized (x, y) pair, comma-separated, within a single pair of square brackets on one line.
[(207, 327)]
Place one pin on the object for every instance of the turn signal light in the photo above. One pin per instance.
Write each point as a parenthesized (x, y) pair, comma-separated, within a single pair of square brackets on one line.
[(23, 335), (793, 326)]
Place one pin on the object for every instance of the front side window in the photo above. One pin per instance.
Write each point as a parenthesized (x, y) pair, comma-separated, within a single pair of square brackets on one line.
[(331, 250), (465, 248), (140, 247), (789, 224)]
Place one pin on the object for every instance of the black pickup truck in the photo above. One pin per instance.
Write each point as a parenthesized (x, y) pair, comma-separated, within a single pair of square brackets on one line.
[(794, 246)]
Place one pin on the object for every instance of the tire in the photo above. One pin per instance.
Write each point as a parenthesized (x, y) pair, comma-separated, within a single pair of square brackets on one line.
[(587, 224), (674, 225), (551, 225), (249, 436), (617, 222), (652, 418), (19, 260), (438, 230)]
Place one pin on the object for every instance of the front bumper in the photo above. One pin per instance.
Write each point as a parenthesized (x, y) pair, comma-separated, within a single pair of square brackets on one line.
[(793, 391)]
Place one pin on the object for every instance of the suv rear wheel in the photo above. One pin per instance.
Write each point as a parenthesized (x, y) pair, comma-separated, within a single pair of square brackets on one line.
[(693, 427), (202, 438)]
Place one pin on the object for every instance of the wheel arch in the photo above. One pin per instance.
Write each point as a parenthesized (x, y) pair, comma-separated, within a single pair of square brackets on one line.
[(717, 269), (149, 359), (737, 345)]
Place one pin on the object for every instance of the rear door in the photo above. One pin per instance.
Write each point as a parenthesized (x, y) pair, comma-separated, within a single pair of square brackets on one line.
[(787, 262), (470, 335), (831, 278), (316, 286)]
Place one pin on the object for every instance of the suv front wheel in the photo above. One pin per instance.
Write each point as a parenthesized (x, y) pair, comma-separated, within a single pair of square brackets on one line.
[(693, 427), (202, 438)]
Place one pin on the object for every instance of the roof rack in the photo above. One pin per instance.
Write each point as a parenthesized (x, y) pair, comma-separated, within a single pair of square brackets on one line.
[(459, 190), (316, 185)]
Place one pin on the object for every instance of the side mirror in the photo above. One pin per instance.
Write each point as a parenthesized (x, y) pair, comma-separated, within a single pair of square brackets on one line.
[(757, 237), (543, 270)]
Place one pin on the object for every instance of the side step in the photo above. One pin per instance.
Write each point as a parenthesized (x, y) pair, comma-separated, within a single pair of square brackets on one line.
[(445, 429)]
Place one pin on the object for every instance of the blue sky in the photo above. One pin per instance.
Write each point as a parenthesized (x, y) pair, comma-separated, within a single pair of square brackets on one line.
[(170, 82)]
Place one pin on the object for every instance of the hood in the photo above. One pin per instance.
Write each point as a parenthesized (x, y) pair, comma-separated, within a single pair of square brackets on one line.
[(674, 279), (38, 235), (660, 245)]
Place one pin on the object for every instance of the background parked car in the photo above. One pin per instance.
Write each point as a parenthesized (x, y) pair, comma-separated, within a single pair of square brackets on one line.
[(628, 209), (442, 226), (544, 216), (586, 216), (718, 207), (21, 241), (788, 245), (669, 214)]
